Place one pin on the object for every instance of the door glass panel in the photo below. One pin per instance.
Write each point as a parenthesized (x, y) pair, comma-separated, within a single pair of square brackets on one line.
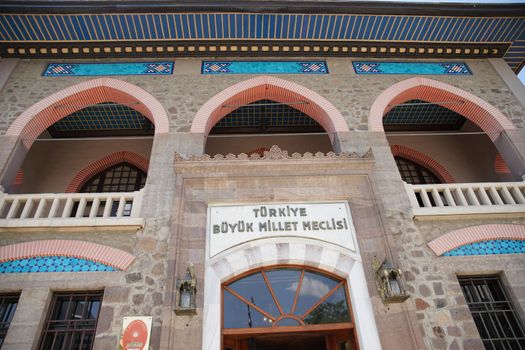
[(238, 314), (253, 288), (284, 284), (332, 310), (313, 288)]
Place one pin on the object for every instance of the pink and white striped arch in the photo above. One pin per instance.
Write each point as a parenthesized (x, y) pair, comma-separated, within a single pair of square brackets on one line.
[(424, 160), (480, 112), (37, 118), (271, 88), (111, 159), (500, 166), (79, 249), (457, 238)]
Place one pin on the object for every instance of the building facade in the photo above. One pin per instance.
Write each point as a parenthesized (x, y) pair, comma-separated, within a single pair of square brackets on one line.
[(251, 175)]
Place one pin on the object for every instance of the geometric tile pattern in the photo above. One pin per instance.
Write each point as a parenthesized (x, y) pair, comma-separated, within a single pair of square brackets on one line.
[(104, 116), (264, 67), (455, 69), (480, 233), (428, 68), (107, 69), (52, 264), (492, 247), (67, 248), (216, 67)]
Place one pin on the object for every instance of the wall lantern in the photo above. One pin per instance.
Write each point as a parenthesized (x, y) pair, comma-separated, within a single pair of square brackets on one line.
[(389, 282), (186, 293)]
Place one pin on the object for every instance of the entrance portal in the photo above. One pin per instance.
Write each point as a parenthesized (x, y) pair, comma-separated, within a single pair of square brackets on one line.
[(285, 308), (292, 341)]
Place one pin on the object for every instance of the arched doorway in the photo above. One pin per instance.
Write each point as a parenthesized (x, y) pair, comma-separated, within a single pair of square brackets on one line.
[(458, 131), (287, 307), (99, 109), (264, 111)]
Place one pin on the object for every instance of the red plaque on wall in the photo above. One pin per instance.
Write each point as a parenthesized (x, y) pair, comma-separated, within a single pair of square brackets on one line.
[(135, 333)]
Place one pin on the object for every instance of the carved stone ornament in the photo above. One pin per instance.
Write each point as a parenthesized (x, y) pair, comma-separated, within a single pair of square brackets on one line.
[(276, 153)]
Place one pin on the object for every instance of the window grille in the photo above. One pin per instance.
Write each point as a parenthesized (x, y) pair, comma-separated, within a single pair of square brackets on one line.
[(413, 173), (122, 177), (8, 304), (498, 324), (71, 321)]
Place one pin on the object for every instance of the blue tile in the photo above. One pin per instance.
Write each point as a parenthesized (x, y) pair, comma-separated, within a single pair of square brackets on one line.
[(264, 67), (108, 69), (52, 264), (427, 68), (492, 247)]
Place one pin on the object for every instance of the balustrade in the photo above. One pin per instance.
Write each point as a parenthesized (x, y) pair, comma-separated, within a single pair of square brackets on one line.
[(467, 198), (76, 209)]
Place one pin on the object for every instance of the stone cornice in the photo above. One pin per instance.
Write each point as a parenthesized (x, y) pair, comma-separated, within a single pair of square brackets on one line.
[(276, 153), (275, 162)]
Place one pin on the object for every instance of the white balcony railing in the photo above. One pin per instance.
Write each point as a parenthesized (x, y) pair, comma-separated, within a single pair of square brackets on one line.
[(71, 209), (467, 198)]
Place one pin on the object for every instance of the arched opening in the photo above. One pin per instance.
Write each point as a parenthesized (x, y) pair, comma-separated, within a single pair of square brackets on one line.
[(287, 307), (414, 173), (266, 111), (453, 128), (122, 177), (64, 133)]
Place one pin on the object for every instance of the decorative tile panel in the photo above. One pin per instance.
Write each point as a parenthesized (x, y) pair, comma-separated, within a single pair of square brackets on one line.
[(492, 247), (100, 69), (428, 68), (52, 264), (264, 67)]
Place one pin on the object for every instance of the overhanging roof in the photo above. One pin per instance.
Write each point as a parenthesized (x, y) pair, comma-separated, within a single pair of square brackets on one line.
[(273, 28)]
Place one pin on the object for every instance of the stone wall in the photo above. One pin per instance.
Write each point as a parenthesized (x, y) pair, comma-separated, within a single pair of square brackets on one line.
[(184, 92)]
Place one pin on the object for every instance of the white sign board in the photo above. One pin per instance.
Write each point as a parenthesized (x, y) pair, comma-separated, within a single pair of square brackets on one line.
[(231, 225)]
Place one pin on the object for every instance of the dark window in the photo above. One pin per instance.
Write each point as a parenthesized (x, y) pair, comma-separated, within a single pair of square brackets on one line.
[(122, 177), (71, 321), (414, 173), (8, 304), (494, 315)]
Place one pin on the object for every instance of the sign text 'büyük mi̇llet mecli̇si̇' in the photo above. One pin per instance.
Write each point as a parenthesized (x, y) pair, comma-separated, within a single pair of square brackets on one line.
[(232, 225), (286, 218)]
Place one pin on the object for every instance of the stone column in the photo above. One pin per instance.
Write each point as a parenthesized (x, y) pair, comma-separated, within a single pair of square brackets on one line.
[(26, 326)]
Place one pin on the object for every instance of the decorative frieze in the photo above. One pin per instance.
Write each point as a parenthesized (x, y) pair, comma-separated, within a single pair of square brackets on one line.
[(427, 68), (276, 153), (107, 69), (264, 67), (52, 264)]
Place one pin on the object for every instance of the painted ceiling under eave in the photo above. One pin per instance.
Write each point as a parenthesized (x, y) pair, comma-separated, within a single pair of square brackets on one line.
[(118, 34)]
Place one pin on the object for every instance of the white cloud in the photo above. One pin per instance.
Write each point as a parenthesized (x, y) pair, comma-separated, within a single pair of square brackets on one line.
[(311, 287)]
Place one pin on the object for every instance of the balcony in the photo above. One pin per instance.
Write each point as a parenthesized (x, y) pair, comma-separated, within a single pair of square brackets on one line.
[(467, 198), (121, 209)]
